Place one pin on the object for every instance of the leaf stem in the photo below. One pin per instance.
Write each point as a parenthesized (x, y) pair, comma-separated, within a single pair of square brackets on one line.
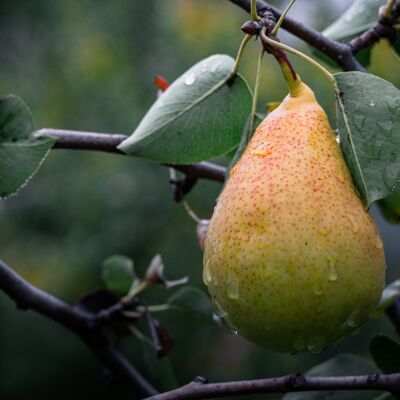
[(135, 290), (389, 8), (298, 53), (256, 91), (190, 212), (282, 18), (253, 11), (239, 55)]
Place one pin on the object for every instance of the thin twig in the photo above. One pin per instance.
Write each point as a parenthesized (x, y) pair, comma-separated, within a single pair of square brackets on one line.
[(27, 296), (200, 389)]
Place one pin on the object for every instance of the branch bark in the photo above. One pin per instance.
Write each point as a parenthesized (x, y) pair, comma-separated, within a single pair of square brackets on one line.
[(200, 389), (27, 296), (342, 53), (108, 142)]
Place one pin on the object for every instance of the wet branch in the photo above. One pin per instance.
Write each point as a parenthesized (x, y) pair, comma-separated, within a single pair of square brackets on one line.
[(85, 325), (200, 389), (108, 142), (343, 54)]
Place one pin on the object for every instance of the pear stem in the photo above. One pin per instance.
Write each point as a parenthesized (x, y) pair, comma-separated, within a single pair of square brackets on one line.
[(239, 55), (256, 90), (298, 53), (253, 11), (282, 18)]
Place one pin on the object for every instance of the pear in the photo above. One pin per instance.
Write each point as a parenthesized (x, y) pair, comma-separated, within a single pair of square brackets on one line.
[(292, 260)]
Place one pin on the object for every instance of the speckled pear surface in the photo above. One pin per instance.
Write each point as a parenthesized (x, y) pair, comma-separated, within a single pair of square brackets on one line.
[(292, 260)]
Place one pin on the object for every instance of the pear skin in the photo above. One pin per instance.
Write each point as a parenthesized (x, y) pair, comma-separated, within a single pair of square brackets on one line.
[(292, 260)]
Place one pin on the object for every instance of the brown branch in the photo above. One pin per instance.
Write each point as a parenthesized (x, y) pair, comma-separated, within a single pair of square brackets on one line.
[(200, 389), (108, 142), (27, 296), (343, 54), (384, 28), (338, 52)]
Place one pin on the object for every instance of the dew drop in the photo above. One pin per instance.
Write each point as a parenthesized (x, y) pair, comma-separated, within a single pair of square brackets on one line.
[(353, 319), (233, 288), (316, 344), (216, 67), (207, 278), (378, 242), (337, 139), (264, 149), (299, 344), (217, 308), (317, 289), (354, 223), (190, 79), (340, 178), (229, 324), (332, 274), (323, 229), (372, 103)]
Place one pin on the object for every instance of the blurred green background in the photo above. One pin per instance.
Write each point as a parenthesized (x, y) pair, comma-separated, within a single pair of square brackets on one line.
[(90, 65)]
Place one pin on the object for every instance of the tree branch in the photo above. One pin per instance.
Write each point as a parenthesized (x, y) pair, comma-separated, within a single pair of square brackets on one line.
[(342, 53), (200, 389), (108, 142), (27, 296), (384, 28), (338, 52)]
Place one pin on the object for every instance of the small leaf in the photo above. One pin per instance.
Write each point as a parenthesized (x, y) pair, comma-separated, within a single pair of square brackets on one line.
[(386, 353), (193, 300), (360, 16), (200, 116), (201, 231), (21, 154), (118, 274), (368, 119), (341, 365)]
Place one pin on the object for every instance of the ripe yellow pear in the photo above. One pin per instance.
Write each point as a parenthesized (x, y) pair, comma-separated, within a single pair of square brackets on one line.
[(292, 260)]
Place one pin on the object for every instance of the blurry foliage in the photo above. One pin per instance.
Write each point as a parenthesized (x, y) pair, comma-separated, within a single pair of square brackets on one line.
[(90, 65)]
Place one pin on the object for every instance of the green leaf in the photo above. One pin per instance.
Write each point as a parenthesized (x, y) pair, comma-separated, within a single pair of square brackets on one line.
[(360, 16), (368, 120), (193, 300), (343, 364), (21, 154), (386, 353), (390, 208), (118, 274), (200, 116)]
